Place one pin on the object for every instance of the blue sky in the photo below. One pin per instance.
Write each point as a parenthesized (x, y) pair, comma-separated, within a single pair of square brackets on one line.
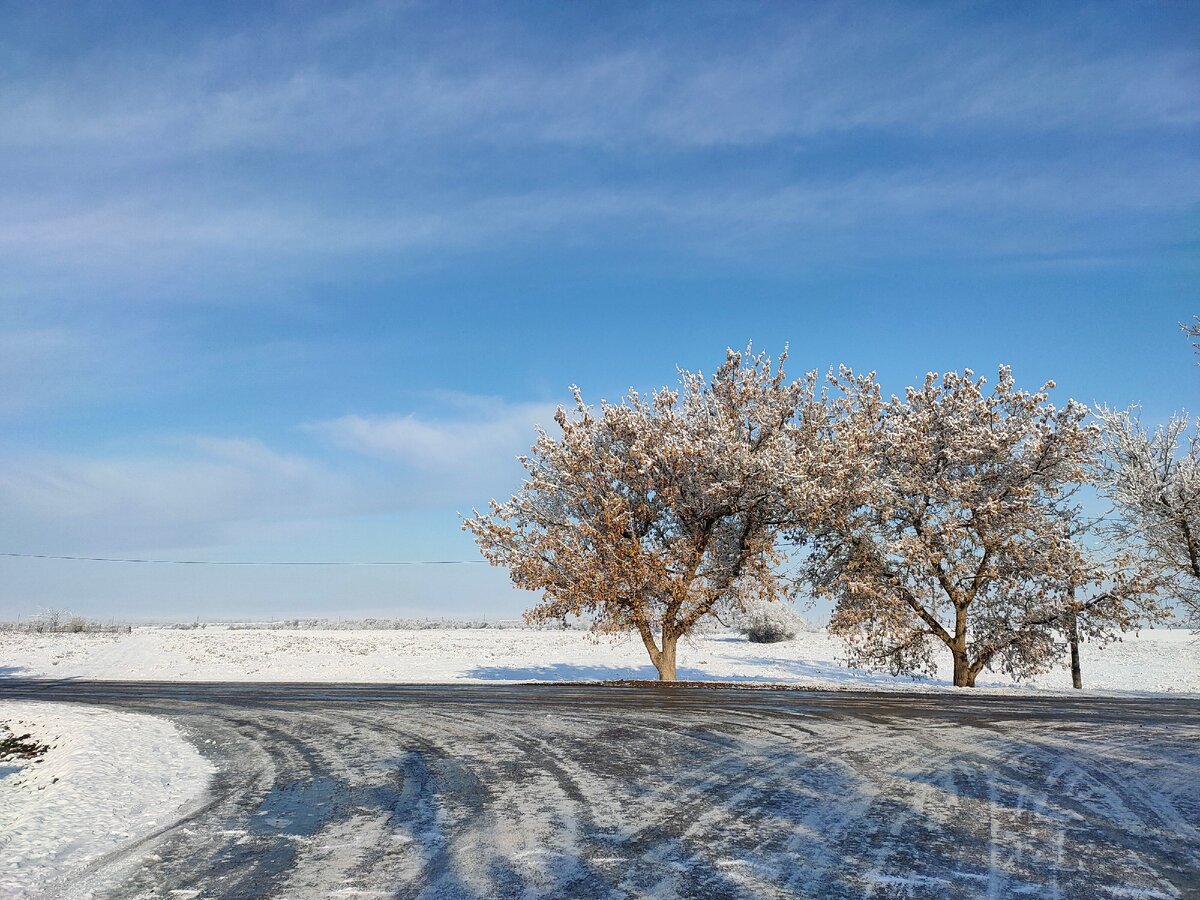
[(296, 280)]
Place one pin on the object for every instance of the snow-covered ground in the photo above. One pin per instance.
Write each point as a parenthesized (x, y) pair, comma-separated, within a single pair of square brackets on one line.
[(108, 780), (1166, 661)]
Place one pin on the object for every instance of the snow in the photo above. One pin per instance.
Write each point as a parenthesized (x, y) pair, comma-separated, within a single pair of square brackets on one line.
[(1154, 661), (109, 780)]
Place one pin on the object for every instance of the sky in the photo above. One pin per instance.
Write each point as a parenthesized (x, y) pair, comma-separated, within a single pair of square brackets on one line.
[(297, 281)]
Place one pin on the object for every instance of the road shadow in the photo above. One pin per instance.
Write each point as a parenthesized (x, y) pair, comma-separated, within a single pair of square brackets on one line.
[(827, 670), (794, 670), (568, 672), (572, 672)]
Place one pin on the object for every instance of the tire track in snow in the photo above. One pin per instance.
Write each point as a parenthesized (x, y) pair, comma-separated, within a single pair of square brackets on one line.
[(548, 792)]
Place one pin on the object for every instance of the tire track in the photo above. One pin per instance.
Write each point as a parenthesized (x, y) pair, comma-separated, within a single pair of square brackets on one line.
[(588, 792)]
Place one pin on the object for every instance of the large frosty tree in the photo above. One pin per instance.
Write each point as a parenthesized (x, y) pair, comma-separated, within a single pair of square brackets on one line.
[(1153, 480), (961, 532), (652, 514)]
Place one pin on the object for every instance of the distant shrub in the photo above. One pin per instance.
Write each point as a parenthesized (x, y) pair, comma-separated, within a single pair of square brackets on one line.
[(57, 621), (769, 623), (403, 625)]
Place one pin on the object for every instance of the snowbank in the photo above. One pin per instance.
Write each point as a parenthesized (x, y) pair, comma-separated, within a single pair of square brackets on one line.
[(1154, 661), (108, 780)]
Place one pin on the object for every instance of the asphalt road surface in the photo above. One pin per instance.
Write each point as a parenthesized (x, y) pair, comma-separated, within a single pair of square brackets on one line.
[(599, 791)]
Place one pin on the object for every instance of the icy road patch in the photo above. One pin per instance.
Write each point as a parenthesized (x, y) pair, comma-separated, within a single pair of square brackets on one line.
[(108, 780)]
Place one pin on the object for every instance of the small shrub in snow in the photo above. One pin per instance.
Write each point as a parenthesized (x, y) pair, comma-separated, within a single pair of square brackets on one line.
[(15, 747), (769, 623)]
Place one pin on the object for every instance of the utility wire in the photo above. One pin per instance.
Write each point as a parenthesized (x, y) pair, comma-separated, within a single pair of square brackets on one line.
[(215, 562)]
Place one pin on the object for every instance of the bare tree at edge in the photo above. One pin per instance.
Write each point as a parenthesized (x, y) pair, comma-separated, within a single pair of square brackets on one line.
[(1113, 590), (1153, 481)]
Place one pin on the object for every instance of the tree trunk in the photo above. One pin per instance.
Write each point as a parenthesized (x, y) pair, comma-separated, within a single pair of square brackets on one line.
[(666, 659), (1073, 640), (963, 676), (663, 659)]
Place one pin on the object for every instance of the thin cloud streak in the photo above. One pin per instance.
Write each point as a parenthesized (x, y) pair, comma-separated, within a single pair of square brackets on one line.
[(441, 444), (203, 490), (146, 238), (796, 77), (379, 136)]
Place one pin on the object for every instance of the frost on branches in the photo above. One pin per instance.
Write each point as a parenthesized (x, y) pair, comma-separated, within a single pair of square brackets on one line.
[(652, 514), (964, 534), (1153, 480)]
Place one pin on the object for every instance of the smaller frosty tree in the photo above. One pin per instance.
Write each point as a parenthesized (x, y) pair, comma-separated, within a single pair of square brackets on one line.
[(1107, 592), (769, 623), (655, 513), (961, 530), (1153, 481)]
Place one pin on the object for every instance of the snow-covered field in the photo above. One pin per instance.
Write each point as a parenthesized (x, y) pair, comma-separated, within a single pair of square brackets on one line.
[(108, 780), (1166, 661)]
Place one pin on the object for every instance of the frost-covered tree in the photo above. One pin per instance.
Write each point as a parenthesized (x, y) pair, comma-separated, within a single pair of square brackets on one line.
[(652, 514), (1112, 598), (1153, 481), (1192, 330), (1107, 592), (961, 528), (769, 623)]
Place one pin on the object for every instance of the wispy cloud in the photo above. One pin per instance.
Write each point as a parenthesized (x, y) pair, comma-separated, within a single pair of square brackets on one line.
[(486, 435), (718, 81), (200, 490), (205, 249), (193, 496), (239, 164)]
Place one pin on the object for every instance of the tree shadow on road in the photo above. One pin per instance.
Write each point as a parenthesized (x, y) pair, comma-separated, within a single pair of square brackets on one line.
[(796, 670), (572, 672)]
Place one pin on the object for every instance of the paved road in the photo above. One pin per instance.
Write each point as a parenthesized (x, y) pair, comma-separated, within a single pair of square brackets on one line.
[(585, 791)]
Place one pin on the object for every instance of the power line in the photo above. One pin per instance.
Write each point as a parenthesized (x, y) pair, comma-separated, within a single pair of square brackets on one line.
[(216, 562)]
